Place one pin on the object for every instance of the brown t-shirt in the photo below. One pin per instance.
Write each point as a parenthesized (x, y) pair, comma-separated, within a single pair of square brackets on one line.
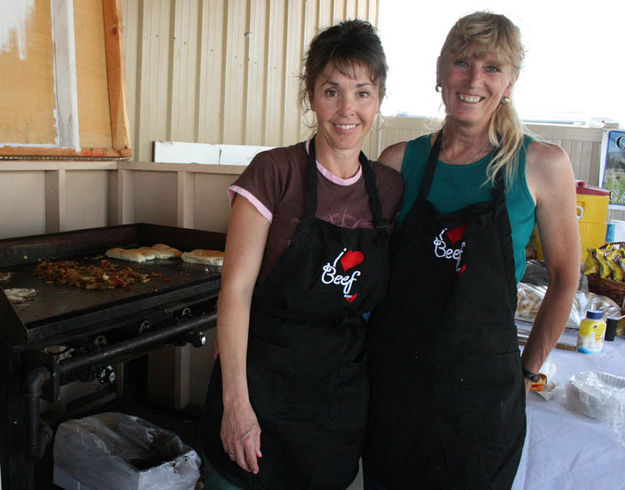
[(276, 183)]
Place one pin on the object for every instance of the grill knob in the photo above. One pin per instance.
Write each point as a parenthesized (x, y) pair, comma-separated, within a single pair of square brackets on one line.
[(146, 326), (197, 339), (107, 375)]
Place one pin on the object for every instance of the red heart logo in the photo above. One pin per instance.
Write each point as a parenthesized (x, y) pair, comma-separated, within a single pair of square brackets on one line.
[(351, 259), (456, 234), (351, 298)]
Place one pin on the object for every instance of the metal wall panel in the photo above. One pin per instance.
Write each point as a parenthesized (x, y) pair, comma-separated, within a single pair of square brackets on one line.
[(219, 71)]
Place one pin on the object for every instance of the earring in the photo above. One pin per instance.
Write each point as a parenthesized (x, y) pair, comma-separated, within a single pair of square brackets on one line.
[(378, 122), (438, 87), (309, 124), (505, 100)]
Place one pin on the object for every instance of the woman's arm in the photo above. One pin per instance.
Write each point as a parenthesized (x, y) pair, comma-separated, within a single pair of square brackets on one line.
[(393, 156), (551, 181), (245, 245)]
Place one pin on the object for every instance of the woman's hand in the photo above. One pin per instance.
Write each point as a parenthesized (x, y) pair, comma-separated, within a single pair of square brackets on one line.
[(240, 435)]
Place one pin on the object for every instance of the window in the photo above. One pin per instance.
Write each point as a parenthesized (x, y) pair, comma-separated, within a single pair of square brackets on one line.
[(573, 70)]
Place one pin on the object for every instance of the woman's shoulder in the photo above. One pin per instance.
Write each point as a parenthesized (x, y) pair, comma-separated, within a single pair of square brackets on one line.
[(395, 154), (386, 174), (545, 166), (544, 157), (280, 164), (272, 172)]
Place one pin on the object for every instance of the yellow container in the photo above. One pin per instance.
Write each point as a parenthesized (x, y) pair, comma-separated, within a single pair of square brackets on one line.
[(591, 333), (592, 216)]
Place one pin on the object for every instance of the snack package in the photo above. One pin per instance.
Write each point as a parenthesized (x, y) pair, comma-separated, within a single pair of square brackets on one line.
[(614, 258), (591, 265), (607, 261)]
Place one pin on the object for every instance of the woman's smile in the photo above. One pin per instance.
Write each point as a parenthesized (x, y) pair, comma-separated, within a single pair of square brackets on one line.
[(470, 99)]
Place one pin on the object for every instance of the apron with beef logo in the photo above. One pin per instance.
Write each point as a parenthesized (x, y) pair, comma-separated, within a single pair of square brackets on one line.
[(305, 363), (447, 403)]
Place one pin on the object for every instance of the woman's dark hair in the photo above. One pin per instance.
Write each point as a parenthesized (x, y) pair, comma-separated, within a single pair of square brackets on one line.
[(353, 42)]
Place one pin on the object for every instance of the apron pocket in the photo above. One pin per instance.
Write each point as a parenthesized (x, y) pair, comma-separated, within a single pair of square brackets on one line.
[(492, 399), (348, 409)]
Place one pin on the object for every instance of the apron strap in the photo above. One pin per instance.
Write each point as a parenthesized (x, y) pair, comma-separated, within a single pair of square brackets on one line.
[(428, 176), (379, 222), (498, 191), (312, 179)]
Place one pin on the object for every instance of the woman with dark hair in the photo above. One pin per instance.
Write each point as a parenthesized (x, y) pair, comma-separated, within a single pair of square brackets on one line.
[(448, 385), (306, 256)]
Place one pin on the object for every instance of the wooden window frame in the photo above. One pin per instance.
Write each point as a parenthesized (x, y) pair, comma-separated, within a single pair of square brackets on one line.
[(69, 145)]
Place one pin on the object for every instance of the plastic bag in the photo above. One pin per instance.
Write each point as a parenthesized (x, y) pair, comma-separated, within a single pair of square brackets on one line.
[(115, 450), (530, 297), (601, 396), (536, 273)]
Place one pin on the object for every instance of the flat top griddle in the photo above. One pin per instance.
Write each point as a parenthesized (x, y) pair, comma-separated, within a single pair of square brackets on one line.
[(55, 300), (61, 309)]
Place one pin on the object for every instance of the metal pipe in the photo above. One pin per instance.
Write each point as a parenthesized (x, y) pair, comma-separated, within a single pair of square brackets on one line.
[(39, 433), (150, 339)]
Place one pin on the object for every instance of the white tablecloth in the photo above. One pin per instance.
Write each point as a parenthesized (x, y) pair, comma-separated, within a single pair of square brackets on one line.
[(565, 450)]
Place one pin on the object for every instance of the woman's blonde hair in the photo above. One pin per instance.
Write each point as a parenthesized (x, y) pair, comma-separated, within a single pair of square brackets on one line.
[(483, 34)]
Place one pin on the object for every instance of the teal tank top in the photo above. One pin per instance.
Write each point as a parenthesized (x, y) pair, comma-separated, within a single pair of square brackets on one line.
[(457, 186)]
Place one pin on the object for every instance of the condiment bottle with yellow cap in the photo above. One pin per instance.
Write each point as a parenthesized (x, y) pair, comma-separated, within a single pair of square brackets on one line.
[(591, 333)]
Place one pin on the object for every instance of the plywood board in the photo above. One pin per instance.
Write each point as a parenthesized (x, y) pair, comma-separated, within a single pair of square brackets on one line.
[(27, 95)]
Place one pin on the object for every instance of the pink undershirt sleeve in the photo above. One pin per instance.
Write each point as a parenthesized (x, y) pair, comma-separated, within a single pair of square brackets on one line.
[(233, 190)]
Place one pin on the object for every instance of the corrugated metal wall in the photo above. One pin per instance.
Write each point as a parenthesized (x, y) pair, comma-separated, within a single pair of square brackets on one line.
[(218, 71)]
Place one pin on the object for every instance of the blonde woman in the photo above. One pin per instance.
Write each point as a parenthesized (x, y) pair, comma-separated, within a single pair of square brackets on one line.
[(448, 385)]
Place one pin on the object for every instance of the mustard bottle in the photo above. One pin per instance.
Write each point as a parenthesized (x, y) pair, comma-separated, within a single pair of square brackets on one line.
[(591, 333)]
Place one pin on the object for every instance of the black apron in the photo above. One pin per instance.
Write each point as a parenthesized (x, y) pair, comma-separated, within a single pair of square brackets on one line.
[(447, 394), (305, 364)]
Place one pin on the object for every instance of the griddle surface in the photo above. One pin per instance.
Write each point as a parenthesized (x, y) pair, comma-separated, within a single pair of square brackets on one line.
[(54, 300)]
